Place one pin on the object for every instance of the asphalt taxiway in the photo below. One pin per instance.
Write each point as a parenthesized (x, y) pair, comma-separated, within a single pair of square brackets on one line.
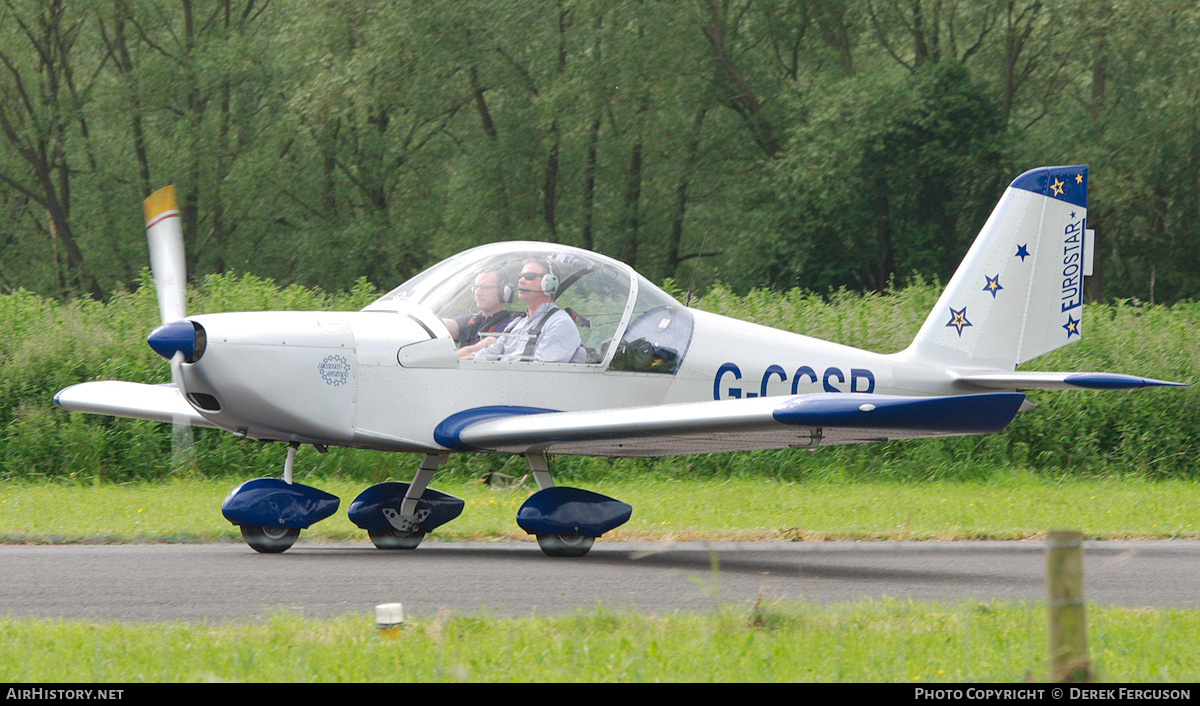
[(214, 582)]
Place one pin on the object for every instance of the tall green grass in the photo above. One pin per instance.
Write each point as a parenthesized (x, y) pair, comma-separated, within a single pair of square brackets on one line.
[(46, 345), (890, 641)]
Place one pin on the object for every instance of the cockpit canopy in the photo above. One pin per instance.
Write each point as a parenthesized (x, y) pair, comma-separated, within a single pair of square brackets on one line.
[(606, 298)]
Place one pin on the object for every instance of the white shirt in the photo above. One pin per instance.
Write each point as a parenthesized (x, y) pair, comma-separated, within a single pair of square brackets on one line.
[(557, 341)]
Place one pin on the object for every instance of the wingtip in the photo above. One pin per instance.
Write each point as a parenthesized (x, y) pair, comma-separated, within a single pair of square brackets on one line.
[(1116, 381)]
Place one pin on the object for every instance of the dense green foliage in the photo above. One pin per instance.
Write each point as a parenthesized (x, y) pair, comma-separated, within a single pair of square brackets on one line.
[(816, 143), (46, 345)]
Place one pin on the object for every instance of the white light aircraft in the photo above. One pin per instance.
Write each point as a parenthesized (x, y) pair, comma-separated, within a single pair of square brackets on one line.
[(642, 375)]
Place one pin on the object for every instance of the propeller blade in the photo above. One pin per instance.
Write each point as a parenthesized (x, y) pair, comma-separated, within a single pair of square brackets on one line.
[(175, 339), (165, 238), (184, 460)]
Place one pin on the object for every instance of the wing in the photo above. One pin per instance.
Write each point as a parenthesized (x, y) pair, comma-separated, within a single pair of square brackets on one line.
[(158, 403), (801, 421)]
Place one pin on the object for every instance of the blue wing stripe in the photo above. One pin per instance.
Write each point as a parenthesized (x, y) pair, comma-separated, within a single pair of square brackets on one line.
[(448, 432), (961, 414)]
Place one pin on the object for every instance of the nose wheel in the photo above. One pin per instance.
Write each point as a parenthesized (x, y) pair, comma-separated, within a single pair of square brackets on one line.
[(270, 540)]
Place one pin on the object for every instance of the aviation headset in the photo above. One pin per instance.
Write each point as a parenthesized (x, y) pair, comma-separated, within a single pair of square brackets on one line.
[(506, 289), (549, 280)]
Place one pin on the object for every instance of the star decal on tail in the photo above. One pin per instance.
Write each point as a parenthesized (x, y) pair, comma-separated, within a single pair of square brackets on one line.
[(1072, 326), (958, 319)]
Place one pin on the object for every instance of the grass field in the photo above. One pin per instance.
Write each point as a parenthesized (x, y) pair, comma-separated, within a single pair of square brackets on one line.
[(1006, 505), (899, 642)]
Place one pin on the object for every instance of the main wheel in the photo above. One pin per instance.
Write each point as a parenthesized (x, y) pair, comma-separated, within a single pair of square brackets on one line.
[(395, 539), (565, 544), (270, 540)]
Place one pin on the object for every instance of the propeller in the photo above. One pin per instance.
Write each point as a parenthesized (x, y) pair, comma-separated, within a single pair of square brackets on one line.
[(175, 339)]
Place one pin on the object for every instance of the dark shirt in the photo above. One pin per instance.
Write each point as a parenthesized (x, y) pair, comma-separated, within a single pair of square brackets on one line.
[(471, 326)]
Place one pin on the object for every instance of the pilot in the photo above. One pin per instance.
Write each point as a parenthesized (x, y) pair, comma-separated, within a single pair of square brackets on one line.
[(546, 334), (491, 291)]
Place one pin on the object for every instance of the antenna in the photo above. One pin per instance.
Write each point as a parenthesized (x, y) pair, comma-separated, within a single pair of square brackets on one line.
[(688, 301)]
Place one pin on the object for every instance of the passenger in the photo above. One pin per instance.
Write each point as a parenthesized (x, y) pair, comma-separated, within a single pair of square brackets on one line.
[(491, 291), (546, 334)]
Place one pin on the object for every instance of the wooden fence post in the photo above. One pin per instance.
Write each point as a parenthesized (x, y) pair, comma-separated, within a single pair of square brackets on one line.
[(1068, 625)]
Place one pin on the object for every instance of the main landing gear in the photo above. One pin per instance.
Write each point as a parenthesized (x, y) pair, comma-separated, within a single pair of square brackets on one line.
[(565, 544), (398, 515), (566, 521), (271, 512)]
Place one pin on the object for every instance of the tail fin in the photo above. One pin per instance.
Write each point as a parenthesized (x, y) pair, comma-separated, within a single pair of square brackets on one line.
[(1019, 291)]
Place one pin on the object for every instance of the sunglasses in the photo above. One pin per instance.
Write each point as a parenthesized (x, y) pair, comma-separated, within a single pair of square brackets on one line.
[(531, 276)]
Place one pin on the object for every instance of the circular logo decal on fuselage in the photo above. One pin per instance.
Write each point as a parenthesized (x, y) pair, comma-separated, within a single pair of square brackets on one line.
[(335, 370)]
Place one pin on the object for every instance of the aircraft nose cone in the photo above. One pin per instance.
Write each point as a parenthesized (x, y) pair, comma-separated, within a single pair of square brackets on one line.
[(172, 338)]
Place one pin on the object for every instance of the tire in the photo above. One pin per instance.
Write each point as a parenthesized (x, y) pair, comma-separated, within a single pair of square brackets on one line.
[(270, 540), (395, 539), (565, 545)]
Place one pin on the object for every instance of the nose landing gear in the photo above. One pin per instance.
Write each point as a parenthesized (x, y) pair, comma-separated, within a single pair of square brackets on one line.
[(272, 511)]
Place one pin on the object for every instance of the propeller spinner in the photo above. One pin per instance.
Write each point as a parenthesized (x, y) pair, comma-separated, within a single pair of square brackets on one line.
[(178, 337)]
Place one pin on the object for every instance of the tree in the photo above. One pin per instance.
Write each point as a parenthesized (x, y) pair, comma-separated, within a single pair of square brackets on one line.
[(903, 192), (42, 112)]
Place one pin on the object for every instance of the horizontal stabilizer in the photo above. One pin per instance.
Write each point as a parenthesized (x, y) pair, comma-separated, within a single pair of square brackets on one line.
[(157, 403), (801, 421), (1064, 381)]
